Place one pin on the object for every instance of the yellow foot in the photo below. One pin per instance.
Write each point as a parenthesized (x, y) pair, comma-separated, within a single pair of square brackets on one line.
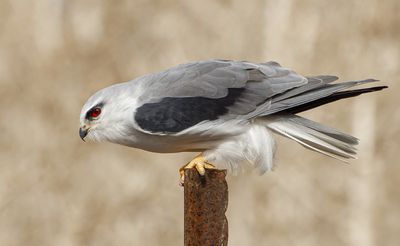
[(199, 163)]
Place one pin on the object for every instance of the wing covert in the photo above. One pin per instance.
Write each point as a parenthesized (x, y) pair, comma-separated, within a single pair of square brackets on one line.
[(183, 96)]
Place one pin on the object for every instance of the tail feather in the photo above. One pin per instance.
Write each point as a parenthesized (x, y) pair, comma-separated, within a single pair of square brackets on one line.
[(315, 136), (336, 134)]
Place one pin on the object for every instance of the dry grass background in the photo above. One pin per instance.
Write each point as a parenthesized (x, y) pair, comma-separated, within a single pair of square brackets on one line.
[(56, 190)]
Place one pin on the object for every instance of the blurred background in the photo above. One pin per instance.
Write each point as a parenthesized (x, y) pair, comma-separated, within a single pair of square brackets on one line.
[(56, 190)]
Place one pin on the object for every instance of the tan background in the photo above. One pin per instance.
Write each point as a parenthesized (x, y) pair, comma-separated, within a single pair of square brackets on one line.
[(56, 190)]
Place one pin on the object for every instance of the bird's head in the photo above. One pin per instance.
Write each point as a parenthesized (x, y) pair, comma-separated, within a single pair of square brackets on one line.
[(106, 115)]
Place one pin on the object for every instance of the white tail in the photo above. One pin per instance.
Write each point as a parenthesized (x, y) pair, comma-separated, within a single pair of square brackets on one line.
[(315, 136)]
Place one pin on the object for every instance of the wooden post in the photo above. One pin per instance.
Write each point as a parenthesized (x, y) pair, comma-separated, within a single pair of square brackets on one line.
[(206, 201)]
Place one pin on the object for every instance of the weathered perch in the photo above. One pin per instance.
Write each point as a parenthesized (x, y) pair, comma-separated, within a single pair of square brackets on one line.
[(206, 201)]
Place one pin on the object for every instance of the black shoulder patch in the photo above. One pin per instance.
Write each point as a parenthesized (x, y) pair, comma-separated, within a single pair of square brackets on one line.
[(172, 115)]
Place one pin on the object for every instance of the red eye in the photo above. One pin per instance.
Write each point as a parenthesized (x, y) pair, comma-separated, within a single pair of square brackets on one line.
[(94, 113)]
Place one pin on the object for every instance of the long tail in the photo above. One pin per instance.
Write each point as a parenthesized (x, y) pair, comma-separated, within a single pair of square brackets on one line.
[(315, 136)]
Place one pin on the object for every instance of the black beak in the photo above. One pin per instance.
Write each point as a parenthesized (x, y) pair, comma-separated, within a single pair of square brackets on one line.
[(83, 133)]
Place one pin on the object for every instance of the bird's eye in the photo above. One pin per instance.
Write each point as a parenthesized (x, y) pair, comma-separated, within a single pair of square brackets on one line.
[(94, 113)]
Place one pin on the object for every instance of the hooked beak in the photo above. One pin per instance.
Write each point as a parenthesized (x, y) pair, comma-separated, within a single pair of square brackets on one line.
[(83, 132)]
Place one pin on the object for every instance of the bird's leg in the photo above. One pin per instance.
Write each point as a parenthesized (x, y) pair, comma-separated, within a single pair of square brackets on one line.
[(199, 163)]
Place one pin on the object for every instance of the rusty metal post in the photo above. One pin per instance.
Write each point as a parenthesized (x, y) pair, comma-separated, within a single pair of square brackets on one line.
[(206, 201)]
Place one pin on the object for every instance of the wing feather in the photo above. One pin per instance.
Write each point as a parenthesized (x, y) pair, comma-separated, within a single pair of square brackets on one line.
[(184, 96), (208, 87), (213, 78)]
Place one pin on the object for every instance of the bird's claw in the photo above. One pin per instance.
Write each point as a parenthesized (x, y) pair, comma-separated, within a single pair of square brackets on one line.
[(199, 163)]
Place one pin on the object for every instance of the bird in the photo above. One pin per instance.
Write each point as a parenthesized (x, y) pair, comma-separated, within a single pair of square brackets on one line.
[(229, 111)]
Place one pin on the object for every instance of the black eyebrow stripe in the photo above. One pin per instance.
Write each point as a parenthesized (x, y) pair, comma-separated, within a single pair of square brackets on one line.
[(99, 105)]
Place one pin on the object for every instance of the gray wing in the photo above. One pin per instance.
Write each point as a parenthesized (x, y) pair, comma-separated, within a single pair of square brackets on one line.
[(186, 95), (213, 78)]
